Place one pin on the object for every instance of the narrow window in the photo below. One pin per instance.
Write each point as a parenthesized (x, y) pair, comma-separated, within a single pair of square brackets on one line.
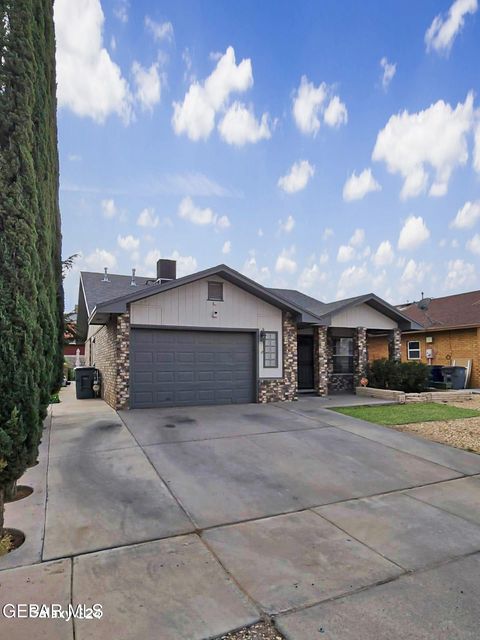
[(215, 291), (270, 350), (413, 350)]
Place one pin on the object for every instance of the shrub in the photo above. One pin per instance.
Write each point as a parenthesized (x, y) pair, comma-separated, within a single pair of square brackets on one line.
[(410, 377)]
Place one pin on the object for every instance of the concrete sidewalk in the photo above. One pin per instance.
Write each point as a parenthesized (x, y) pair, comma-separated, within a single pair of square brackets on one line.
[(187, 523)]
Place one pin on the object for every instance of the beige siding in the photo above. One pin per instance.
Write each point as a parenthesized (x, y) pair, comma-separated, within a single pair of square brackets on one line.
[(188, 306), (363, 316)]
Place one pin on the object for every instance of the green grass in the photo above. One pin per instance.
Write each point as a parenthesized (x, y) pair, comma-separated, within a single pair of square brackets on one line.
[(406, 413)]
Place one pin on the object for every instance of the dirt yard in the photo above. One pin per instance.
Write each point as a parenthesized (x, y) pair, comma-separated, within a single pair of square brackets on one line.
[(463, 433)]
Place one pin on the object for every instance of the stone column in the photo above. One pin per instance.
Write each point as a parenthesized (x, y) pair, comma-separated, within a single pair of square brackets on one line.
[(395, 345), (285, 388), (360, 357), (122, 386), (320, 360)]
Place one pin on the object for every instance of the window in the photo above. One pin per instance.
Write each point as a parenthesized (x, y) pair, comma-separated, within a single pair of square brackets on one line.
[(343, 355), (270, 350), (413, 350), (215, 291)]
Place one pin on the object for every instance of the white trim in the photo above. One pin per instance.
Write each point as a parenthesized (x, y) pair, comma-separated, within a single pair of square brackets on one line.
[(409, 357)]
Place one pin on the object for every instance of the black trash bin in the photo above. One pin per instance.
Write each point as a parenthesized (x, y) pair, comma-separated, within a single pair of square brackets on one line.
[(84, 377), (456, 376)]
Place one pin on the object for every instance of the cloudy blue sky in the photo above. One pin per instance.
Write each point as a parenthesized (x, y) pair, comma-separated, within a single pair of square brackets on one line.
[(329, 146)]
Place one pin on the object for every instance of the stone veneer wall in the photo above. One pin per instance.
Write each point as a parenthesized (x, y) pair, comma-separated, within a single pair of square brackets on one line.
[(360, 356), (320, 360), (395, 345), (285, 388), (110, 347)]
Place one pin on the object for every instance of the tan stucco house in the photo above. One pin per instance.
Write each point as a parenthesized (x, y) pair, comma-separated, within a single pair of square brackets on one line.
[(217, 337), (450, 333)]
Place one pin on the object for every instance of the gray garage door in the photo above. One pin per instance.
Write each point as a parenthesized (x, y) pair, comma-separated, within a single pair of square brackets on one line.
[(174, 368)]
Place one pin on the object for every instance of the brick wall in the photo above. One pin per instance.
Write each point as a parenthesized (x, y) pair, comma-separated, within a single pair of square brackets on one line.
[(109, 351), (377, 347), (285, 388), (448, 345)]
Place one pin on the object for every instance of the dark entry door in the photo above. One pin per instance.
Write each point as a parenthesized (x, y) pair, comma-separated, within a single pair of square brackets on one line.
[(305, 362)]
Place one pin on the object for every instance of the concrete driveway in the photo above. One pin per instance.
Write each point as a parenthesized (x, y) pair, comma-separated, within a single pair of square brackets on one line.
[(187, 523)]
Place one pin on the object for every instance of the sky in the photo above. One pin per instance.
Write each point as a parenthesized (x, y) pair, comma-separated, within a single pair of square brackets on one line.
[(332, 147)]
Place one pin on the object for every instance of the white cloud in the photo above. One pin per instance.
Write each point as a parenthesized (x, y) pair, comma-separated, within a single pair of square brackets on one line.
[(476, 150), (467, 216), (109, 208), (253, 271), (74, 157), (389, 70), (239, 126), (460, 274), (327, 233), (323, 258), (89, 83), (152, 258), (260, 233), (288, 225), (148, 84), (100, 259), (346, 253), (441, 34), (352, 279), (384, 254), (336, 113), (414, 233), (306, 105), (310, 277), (473, 244), (160, 30), (147, 218), (285, 261), (357, 187), (413, 275), (121, 11), (358, 238), (185, 264), (227, 247), (309, 107), (195, 116), (297, 178), (435, 137), (128, 243), (191, 212), (454, 243)]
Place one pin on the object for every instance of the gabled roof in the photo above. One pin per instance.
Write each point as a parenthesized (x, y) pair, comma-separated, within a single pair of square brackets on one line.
[(459, 310), (99, 299)]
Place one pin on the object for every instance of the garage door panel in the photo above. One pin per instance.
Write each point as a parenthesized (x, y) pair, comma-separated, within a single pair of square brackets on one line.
[(171, 367)]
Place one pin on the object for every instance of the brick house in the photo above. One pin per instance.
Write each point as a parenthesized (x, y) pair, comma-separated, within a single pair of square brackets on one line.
[(450, 332), (217, 337)]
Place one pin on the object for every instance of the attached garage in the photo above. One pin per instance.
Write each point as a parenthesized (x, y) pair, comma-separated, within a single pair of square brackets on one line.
[(188, 367)]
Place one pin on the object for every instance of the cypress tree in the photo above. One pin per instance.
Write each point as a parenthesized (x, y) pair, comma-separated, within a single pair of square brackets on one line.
[(31, 294)]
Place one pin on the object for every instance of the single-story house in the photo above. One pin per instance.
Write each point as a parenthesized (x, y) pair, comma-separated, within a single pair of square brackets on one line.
[(217, 337), (450, 333)]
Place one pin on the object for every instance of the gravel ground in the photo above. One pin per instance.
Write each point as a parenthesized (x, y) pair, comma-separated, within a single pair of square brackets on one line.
[(259, 631), (462, 433)]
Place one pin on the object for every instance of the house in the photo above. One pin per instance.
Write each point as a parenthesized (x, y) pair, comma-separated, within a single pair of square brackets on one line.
[(217, 337), (73, 347), (450, 333)]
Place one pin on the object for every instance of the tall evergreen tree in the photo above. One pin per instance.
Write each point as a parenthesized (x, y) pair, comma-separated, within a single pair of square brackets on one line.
[(31, 293)]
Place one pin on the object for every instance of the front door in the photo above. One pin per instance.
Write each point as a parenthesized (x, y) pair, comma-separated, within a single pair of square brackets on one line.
[(305, 362)]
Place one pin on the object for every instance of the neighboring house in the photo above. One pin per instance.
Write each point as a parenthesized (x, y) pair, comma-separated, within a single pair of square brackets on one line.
[(450, 333), (73, 346), (217, 337)]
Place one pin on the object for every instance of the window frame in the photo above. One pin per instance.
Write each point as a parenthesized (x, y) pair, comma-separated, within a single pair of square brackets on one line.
[(409, 349), (209, 296), (350, 356), (265, 365)]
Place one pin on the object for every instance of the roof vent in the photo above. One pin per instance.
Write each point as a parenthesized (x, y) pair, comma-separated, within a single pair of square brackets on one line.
[(105, 277), (133, 283), (166, 270)]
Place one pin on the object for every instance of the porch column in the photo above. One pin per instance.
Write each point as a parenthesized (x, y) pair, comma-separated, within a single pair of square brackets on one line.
[(395, 345), (360, 357), (320, 360)]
